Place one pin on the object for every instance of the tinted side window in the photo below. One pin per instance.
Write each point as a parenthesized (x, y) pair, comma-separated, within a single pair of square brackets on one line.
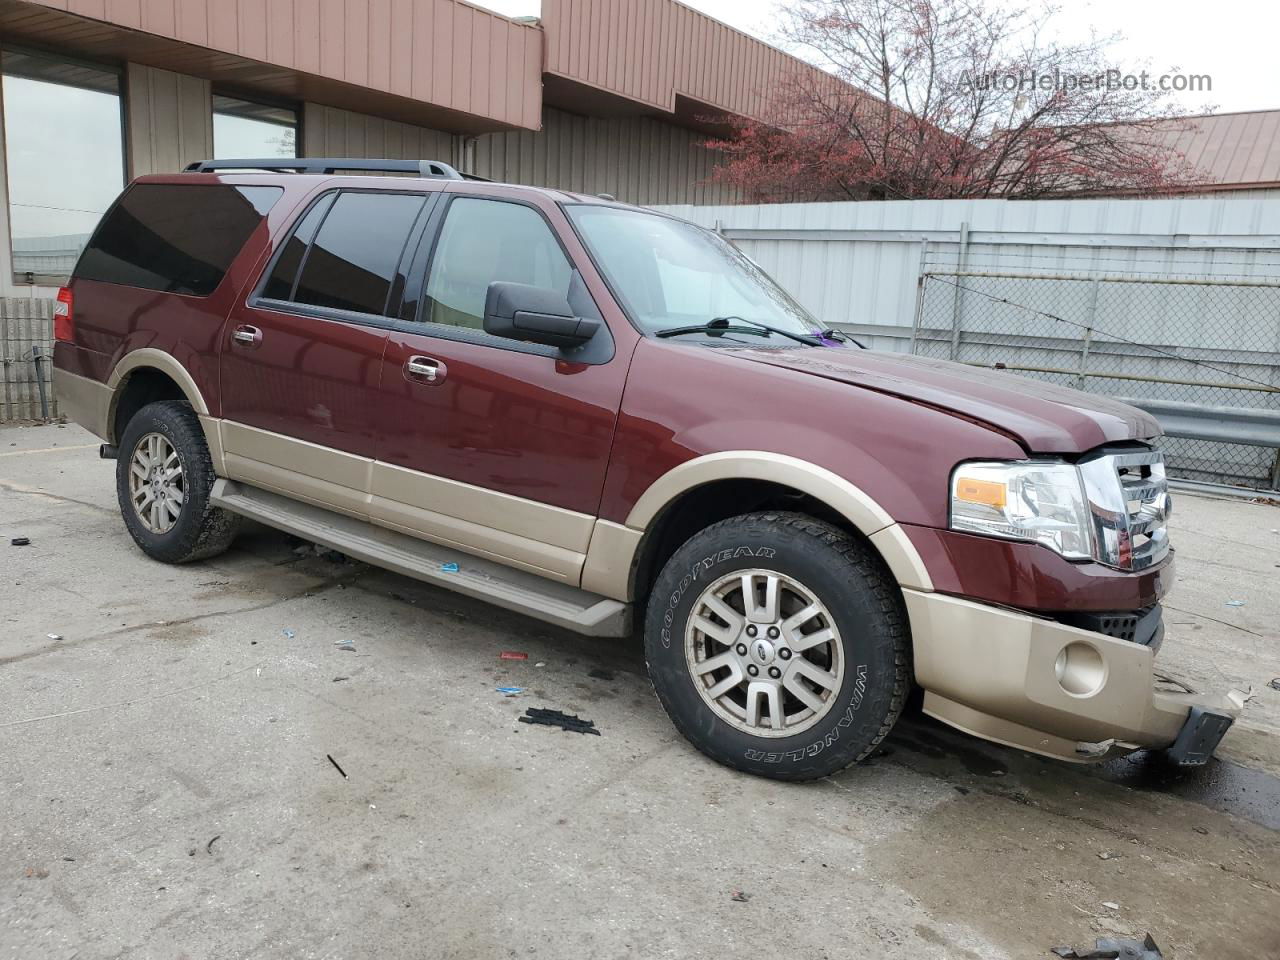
[(179, 238), (279, 285), (353, 260), (487, 240)]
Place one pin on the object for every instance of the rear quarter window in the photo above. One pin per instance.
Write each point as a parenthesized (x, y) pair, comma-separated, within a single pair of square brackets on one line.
[(177, 238)]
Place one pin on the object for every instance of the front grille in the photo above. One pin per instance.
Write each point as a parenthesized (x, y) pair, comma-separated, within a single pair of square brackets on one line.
[(1129, 502)]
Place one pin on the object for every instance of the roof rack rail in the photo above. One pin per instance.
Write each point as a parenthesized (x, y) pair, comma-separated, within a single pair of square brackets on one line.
[(433, 169)]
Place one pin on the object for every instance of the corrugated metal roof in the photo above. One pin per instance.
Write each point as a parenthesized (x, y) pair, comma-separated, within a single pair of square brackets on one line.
[(1226, 150)]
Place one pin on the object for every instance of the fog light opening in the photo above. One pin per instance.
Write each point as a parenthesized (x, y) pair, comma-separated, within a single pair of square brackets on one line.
[(1080, 669)]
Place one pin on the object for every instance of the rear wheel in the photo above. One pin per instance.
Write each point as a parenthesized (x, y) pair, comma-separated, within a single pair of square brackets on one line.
[(164, 475), (778, 645)]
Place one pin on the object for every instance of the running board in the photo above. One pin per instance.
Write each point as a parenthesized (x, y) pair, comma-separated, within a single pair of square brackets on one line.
[(503, 586)]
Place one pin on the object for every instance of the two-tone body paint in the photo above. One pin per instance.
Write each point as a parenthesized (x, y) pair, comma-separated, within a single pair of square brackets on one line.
[(593, 438)]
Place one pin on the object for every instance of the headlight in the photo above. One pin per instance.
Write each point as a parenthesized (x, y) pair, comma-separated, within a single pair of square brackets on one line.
[(1040, 501)]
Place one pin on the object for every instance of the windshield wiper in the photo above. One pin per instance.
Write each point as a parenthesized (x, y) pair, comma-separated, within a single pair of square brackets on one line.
[(721, 325), (717, 326)]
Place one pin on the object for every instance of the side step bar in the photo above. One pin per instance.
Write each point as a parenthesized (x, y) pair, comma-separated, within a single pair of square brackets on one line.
[(511, 589)]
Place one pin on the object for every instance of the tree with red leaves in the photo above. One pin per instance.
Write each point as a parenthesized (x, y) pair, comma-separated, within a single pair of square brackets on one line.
[(947, 98)]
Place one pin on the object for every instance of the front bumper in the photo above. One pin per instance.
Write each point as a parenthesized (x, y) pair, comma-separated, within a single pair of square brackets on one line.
[(1049, 688)]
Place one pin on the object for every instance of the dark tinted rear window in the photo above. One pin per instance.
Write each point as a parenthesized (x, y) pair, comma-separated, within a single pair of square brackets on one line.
[(179, 238), (354, 257)]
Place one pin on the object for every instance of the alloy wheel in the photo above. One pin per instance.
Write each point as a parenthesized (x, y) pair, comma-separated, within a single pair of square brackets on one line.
[(764, 653), (157, 483)]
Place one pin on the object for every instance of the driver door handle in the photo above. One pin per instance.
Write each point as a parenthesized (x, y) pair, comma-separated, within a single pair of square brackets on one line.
[(424, 369), (247, 335)]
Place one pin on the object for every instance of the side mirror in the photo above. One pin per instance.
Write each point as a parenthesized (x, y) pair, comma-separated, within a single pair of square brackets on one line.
[(519, 311)]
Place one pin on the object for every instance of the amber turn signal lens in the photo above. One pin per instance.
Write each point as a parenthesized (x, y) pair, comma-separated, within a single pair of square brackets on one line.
[(986, 492)]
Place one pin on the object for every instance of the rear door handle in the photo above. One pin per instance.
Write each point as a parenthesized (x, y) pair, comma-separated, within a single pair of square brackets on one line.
[(250, 336), (424, 369)]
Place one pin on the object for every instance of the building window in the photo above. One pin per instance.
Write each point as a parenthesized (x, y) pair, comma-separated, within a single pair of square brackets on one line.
[(245, 130), (64, 151)]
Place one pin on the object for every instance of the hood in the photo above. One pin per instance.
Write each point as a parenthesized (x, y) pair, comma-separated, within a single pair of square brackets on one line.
[(1042, 416)]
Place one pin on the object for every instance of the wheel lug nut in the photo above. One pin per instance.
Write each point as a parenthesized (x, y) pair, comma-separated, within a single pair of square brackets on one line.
[(751, 630), (742, 649), (753, 670), (785, 653), (775, 672), (773, 633)]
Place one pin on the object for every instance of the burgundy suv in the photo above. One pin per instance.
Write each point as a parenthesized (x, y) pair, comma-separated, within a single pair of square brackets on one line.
[(602, 414)]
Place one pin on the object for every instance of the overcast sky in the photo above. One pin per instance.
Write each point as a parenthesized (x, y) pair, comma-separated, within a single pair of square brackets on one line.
[(1233, 41)]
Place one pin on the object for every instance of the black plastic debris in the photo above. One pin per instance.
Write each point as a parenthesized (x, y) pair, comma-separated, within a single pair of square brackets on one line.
[(20, 542), (1274, 684), (554, 718), (336, 767), (1106, 949)]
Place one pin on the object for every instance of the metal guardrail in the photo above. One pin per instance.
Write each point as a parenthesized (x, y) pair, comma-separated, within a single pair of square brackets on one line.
[(1193, 421)]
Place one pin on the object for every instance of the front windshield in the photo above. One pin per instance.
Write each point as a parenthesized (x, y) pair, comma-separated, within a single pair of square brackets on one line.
[(671, 274)]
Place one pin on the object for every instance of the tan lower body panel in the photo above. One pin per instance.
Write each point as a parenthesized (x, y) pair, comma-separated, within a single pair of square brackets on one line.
[(1040, 685), (543, 539), (213, 437), (607, 568), (313, 473), (85, 401)]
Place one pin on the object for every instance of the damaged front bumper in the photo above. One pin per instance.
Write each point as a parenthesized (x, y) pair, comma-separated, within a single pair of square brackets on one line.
[(1054, 689)]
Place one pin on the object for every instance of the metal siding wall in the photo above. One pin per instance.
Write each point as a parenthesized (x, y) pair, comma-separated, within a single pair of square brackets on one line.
[(653, 50), (170, 120), (637, 159), (872, 281), (330, 132)]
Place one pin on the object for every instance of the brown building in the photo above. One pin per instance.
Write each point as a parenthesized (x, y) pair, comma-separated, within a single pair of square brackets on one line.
[(598, 96)]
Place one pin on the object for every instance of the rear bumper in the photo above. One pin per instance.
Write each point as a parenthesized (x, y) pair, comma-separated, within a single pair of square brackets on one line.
[(1042, 686)]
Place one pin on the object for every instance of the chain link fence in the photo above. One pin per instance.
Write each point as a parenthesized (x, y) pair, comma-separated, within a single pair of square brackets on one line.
[(1208, 342)]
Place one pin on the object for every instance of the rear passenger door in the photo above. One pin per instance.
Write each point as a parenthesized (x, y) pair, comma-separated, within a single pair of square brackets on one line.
[(300, 359), (496, 446)]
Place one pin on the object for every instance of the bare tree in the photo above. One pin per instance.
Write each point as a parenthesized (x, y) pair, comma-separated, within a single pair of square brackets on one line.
[(948, 98)]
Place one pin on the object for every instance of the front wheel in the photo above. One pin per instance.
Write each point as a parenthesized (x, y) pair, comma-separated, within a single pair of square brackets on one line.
[(778, 645)]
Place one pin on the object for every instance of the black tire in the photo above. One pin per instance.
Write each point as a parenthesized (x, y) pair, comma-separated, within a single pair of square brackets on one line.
[(847, 577), (200, 531)]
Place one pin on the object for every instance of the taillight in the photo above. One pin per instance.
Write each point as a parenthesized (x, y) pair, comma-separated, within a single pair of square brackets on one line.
[(63, 324)]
